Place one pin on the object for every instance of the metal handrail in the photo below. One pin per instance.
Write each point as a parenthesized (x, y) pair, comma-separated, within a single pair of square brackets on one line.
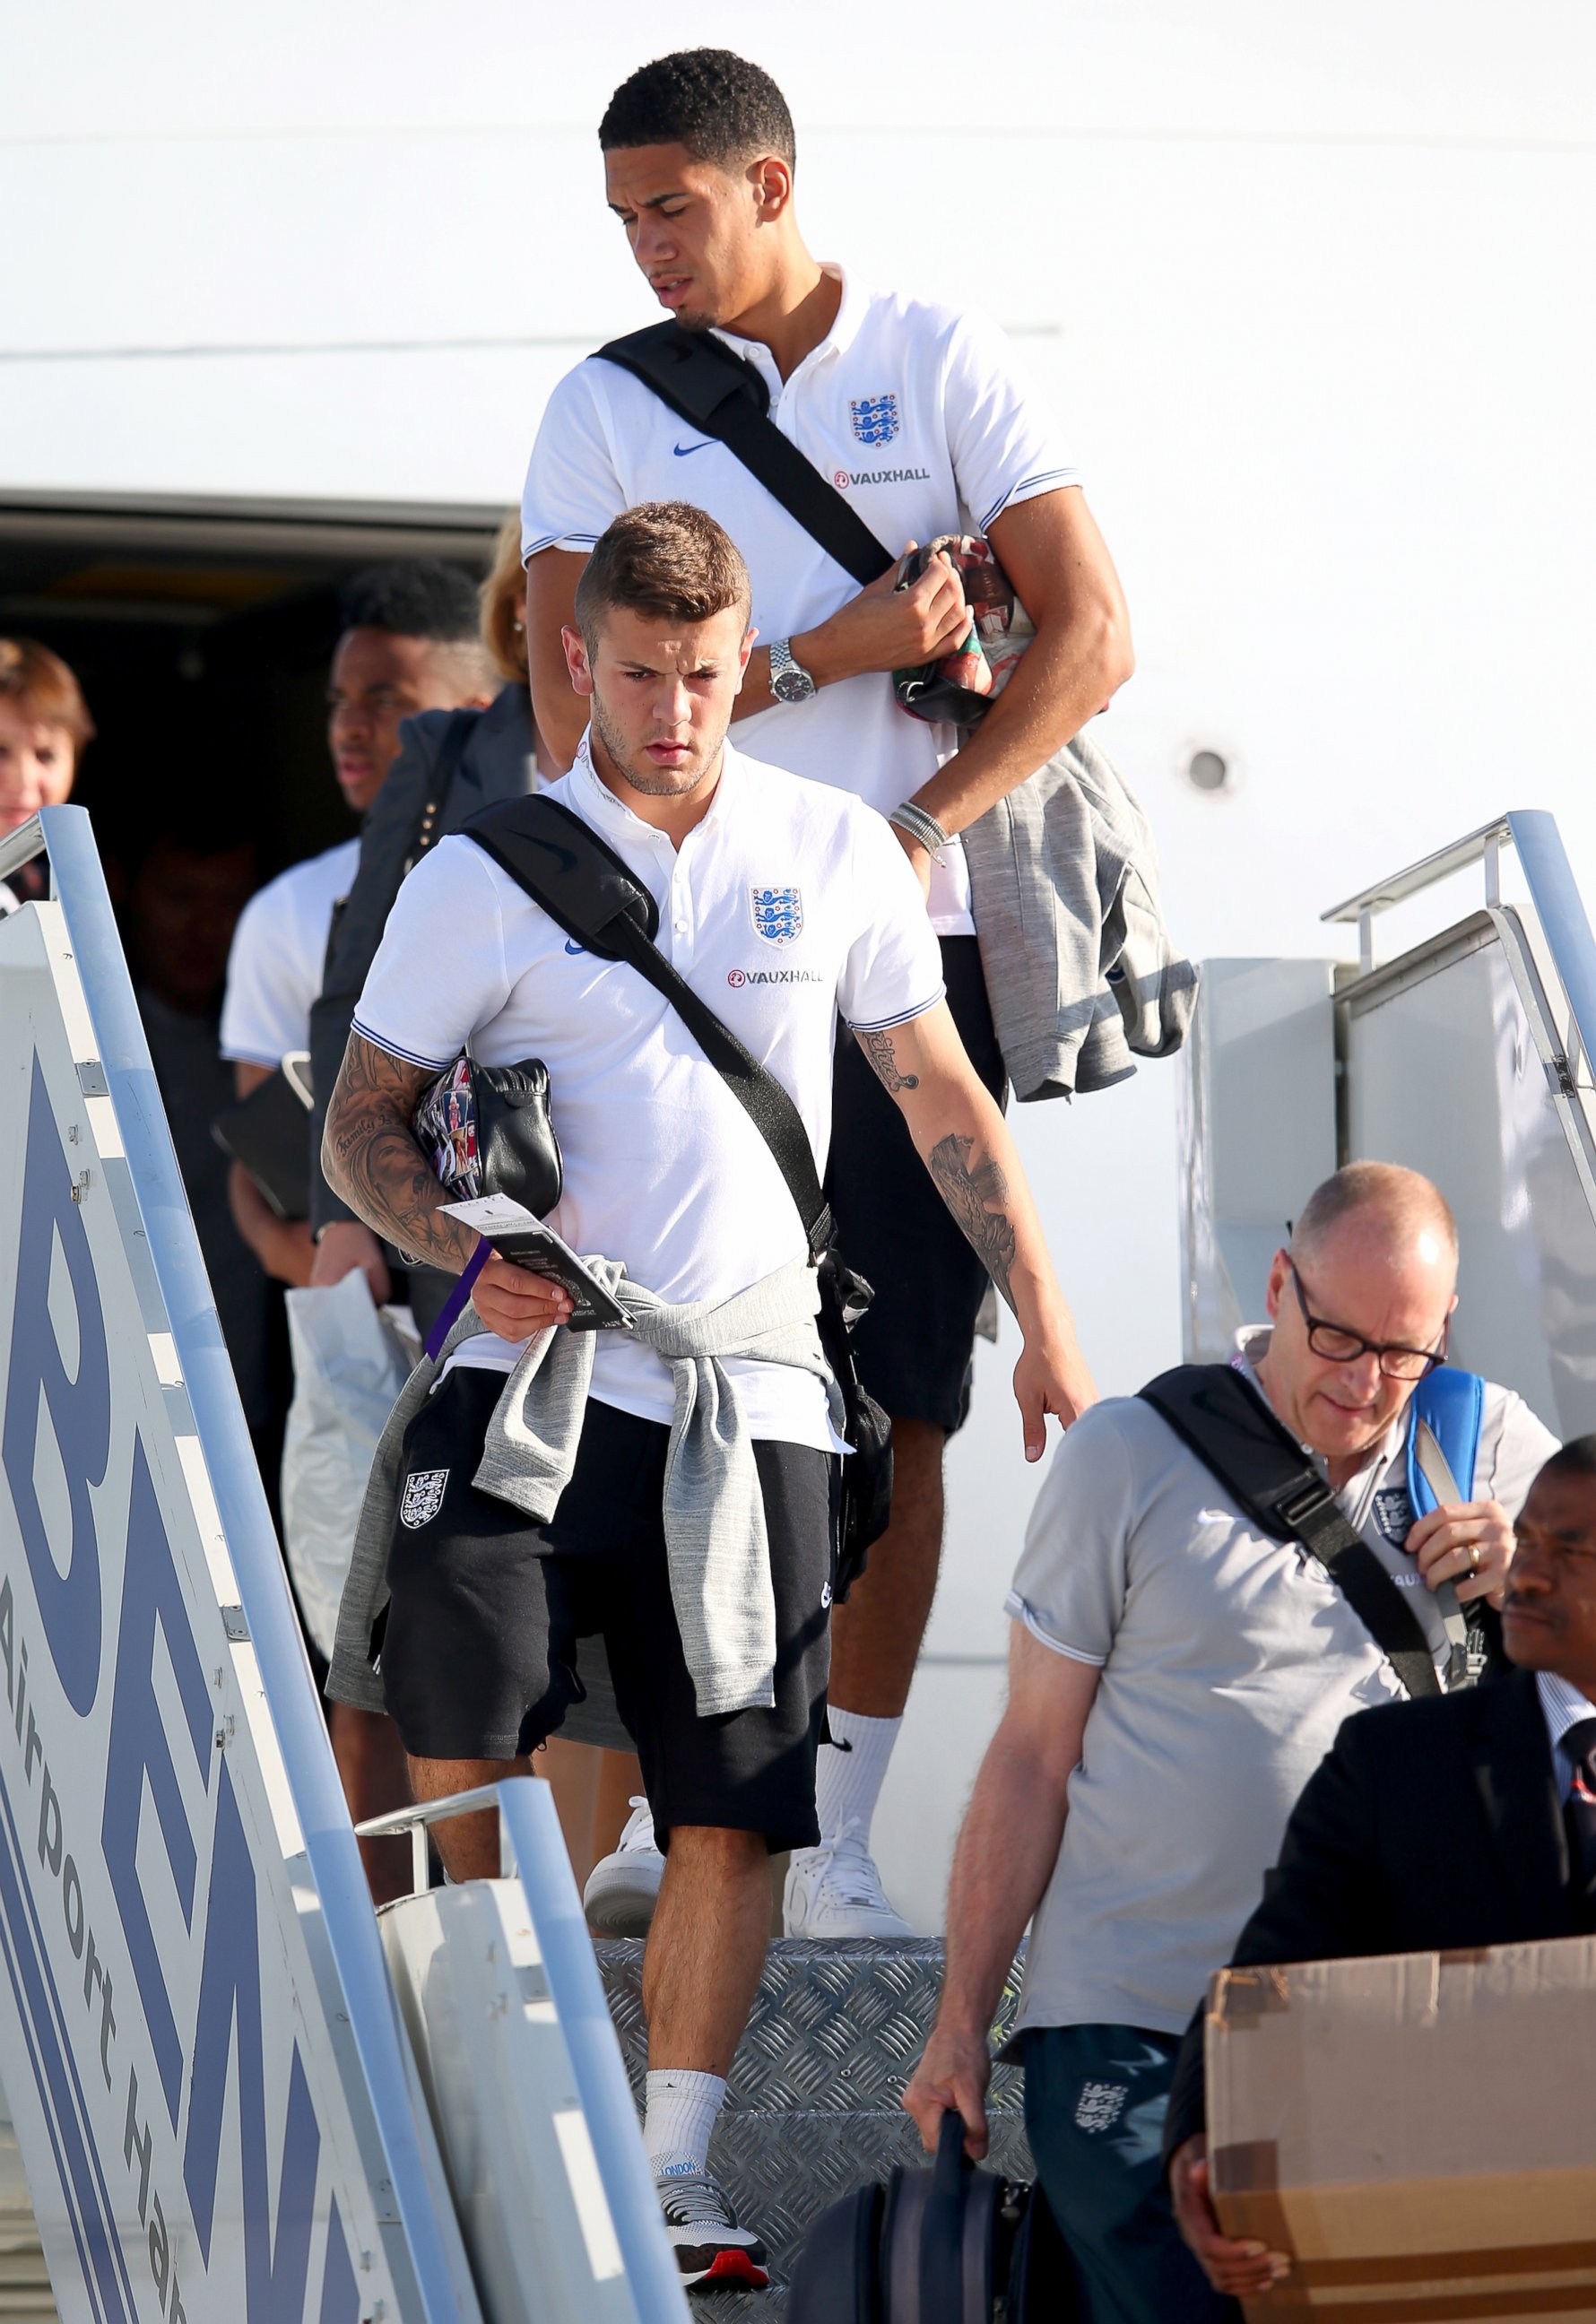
[(78, 885), (1425, 873), (1553, 893), (1561, 1023), (532, 1848)]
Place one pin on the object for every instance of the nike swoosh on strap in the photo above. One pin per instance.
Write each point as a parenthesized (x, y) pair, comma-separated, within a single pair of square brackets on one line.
[(682, 450)]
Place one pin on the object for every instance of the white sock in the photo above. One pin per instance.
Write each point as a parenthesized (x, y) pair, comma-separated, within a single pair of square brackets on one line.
[(679, 2116), (852, 1769)]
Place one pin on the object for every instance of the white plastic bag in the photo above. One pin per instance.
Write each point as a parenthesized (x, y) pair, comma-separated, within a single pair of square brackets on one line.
[(350, 1362)]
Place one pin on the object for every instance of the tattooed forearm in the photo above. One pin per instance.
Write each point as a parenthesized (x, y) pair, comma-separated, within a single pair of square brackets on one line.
[(373, 1161), (975, 1196), (879, 1049)]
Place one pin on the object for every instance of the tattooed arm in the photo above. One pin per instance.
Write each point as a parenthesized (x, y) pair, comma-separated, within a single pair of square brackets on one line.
[(374, 1163), (965, 1144)]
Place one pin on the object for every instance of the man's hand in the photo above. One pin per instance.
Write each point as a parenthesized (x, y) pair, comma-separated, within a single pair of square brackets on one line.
[(887, 628), (1242, 2269), (515, 1304), (1468, 1543), (1051, 1376), (347, 1245), (952, 2076)]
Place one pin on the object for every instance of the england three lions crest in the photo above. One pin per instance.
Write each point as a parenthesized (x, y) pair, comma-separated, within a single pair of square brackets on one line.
[(778, 914), (422, 1497), (875, 417)]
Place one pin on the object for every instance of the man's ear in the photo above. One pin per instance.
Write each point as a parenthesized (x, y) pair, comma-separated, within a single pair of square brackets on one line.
[(1278, 1271), (743, 652), (771, 179), (577, 661)]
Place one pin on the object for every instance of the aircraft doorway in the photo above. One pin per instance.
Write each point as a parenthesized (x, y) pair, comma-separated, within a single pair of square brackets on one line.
[(200, 632)]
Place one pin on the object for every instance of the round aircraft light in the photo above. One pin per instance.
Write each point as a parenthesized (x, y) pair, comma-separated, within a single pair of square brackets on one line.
[(1208, 770)]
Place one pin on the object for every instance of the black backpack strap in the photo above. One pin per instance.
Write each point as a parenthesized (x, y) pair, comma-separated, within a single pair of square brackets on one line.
[(588, 890), (697, 376), (1218, 1416), (451, 749)]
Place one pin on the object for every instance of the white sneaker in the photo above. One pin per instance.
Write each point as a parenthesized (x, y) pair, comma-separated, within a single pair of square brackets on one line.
[(711, 2249), (622, 1889), (835, 1891)]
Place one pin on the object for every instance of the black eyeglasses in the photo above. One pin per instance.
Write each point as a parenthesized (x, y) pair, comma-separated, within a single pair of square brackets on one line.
[(1336, 1345)]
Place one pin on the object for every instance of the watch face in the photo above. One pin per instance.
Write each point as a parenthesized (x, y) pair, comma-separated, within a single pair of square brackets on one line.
[(792, 684)]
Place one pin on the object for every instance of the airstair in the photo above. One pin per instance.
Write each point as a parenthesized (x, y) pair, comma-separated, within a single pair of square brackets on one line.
[(240, 2095)]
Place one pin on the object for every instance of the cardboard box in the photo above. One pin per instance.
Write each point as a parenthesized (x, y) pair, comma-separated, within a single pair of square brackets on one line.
[(1418, 2132)]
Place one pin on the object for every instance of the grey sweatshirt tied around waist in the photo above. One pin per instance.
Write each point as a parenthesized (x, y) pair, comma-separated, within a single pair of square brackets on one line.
[(716, 1544)]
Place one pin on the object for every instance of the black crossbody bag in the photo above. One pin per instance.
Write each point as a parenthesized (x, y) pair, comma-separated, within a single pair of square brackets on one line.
[(697, 376), (588, 890), (1218, 1416)]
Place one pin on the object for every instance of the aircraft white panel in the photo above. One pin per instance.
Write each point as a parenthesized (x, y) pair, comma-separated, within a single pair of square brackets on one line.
[(1257, 1134), (1442, 1074), (188, 2097)]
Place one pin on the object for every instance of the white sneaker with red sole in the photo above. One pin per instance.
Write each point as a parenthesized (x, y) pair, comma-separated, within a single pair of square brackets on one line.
[(711, 2249)]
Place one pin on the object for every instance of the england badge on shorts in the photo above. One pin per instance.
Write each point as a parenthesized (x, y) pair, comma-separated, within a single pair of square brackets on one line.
[(875, 417), (422, 1497), (778, 914)]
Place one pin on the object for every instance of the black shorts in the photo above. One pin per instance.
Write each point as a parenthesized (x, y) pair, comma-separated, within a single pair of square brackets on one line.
[(914, 1347), (480, 1657)]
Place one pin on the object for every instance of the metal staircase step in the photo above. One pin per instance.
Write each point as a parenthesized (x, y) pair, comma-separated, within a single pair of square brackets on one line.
[(812, 2103)]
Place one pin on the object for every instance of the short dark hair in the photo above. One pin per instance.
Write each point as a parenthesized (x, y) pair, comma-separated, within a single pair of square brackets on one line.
[(414, 597), (666, 558), (721, 107), (1577, 1457)]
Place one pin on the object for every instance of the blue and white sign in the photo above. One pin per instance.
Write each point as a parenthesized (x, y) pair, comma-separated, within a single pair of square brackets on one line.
[(177, 2046)]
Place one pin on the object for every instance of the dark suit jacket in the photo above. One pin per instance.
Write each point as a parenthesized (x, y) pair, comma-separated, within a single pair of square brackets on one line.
[(498, 762), (1430, 1826)]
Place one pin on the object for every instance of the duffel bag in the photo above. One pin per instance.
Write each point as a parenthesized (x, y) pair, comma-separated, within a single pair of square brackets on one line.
[(951, 2244)]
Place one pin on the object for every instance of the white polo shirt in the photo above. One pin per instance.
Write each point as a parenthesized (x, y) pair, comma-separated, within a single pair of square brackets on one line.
[(278, 951), (916, 412), (786, 905)]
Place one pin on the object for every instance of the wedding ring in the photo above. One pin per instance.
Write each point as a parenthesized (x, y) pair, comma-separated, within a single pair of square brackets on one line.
[(1473, 1557)]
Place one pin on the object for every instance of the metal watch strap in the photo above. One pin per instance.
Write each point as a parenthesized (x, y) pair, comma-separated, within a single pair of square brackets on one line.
[(782, 660)]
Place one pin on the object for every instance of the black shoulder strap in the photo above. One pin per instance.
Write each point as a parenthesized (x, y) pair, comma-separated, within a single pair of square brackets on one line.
[(1221, 1418), (697, 376), (588, 890)]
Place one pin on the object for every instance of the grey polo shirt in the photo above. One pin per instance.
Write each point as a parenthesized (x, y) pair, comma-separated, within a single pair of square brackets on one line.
[(1228, 1661)]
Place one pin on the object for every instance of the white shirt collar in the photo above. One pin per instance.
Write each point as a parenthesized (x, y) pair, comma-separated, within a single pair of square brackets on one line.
[(851, 312), (606, 806), (1562, 1706)]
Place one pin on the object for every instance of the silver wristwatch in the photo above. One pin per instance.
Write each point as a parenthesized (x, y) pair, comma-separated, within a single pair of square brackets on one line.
[(789, 680)]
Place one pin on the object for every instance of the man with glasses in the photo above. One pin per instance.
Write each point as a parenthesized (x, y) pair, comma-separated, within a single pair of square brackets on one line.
[(1175, 1678)]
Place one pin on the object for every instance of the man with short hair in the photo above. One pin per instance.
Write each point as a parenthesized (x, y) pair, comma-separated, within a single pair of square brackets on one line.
[(917, 413), (409, 643), (1436, 1827), (664, 1172), (1176, 1676)]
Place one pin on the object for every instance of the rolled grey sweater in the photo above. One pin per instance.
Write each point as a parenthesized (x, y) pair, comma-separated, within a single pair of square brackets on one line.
[(716, 1539)]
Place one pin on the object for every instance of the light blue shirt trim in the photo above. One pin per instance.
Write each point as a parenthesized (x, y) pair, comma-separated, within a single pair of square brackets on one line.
[(1561, 1707)]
